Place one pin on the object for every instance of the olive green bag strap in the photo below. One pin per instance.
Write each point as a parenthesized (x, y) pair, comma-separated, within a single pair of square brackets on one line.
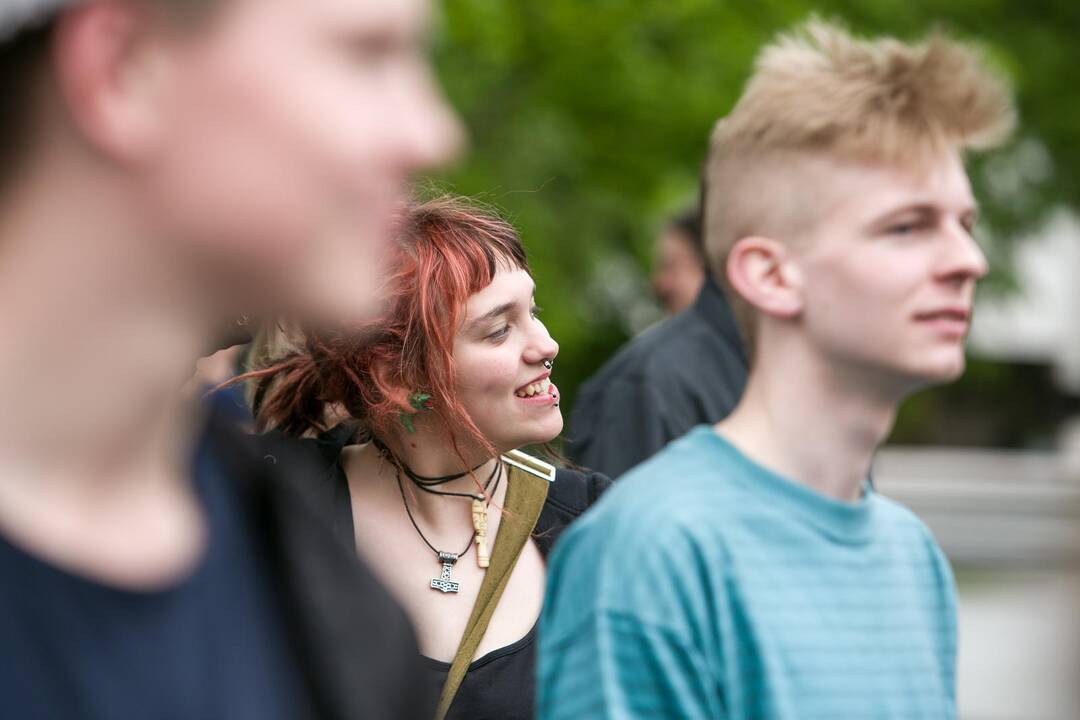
[(526, 492)]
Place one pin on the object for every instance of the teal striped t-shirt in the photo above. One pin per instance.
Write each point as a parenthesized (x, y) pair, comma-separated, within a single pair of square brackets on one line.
[(704, 585)]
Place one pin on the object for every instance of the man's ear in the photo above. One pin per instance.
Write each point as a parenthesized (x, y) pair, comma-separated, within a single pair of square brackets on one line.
[(108, 75), (761, 271)]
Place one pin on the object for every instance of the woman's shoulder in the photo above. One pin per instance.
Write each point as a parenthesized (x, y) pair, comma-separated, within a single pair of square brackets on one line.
[(310, 466), (571, 491), (310, 452), (576, 489)]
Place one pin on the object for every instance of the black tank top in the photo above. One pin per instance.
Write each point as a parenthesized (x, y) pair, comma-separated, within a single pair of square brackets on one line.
[(501, 685)]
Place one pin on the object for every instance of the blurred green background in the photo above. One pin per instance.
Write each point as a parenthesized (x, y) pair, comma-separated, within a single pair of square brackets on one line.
[(589, 121)]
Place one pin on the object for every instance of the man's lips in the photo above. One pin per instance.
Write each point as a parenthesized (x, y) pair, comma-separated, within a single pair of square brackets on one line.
[(961, 314), (950, 321)]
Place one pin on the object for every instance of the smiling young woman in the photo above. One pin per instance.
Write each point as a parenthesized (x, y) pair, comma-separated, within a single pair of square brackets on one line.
[(438, 393)]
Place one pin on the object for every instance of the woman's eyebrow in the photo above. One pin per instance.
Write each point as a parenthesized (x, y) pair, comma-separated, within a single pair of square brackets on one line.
[(495, 312)]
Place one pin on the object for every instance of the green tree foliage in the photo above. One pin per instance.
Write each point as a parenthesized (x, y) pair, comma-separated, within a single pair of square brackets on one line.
[(589, 120)]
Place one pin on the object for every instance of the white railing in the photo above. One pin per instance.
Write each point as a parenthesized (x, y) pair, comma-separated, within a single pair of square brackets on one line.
[(988, 507)]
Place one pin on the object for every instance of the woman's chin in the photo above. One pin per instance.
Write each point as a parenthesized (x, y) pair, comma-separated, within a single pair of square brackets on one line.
[(537, 432)]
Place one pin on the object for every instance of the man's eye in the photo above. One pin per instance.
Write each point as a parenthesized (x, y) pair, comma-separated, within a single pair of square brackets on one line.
[(902, 229)]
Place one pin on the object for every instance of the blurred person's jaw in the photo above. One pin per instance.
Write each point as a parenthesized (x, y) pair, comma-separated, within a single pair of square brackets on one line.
[(878, 284), (679, 272)]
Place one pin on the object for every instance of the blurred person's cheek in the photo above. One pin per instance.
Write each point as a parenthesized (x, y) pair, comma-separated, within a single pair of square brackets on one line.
[(287, 161)]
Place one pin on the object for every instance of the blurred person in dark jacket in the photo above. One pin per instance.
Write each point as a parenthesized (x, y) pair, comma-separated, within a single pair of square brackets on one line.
[(679, 262), (688, 370), (165, 167)]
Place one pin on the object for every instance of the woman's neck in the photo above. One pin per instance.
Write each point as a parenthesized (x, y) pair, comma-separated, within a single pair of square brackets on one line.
[(429, 459)]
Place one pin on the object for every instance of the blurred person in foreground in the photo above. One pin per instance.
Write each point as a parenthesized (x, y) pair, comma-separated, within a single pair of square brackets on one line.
[(687, 370), (679, 262), (168, 166), (749, 570)]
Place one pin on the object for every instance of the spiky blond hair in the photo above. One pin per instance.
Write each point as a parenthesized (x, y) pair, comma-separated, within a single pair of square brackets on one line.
[(818, 92)]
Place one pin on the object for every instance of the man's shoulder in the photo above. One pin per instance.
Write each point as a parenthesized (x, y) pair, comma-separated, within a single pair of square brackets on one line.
[(676, 491), (650, 549), (904, 527)]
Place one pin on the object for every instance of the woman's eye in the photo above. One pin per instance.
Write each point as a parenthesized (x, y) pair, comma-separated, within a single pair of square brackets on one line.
[(536, 310), (500, 333)]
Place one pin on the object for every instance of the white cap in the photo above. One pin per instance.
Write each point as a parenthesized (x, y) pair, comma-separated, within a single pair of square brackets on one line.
[(18, 15)]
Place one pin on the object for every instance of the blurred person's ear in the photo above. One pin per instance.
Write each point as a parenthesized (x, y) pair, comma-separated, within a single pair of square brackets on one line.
[(761, 271), (108, 75)]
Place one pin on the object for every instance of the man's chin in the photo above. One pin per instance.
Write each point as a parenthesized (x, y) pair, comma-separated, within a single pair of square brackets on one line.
[(940, 372)]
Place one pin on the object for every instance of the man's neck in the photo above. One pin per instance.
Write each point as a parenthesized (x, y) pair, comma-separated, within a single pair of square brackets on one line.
[(95, 436), (812, 423)]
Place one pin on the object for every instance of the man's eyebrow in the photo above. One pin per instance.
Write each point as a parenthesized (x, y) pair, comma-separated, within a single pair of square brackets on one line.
[(923, 208)]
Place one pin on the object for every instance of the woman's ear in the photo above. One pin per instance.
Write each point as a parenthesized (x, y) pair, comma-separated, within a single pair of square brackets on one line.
[(410, 401), (392, 388), (761, 270)]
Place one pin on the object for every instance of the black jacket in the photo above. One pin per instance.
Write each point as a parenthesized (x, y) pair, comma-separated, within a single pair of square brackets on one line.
[(688, 370), (354, 643)]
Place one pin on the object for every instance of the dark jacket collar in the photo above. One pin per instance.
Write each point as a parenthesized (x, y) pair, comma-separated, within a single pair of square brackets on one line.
[(713, 307)]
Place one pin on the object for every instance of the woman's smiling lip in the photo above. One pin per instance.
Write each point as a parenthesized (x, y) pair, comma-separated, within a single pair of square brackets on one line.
[(539, 378), (542, 399)]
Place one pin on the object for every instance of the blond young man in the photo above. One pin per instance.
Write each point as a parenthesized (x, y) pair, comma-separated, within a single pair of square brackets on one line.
[(749, 570)]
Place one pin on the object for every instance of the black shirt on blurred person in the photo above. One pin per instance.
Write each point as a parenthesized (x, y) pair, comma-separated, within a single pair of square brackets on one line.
[(277, 620), (688, 370)]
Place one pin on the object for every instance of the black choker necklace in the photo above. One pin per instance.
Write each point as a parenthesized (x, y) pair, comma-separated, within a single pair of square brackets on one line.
[(445, 582), (423, 482)]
